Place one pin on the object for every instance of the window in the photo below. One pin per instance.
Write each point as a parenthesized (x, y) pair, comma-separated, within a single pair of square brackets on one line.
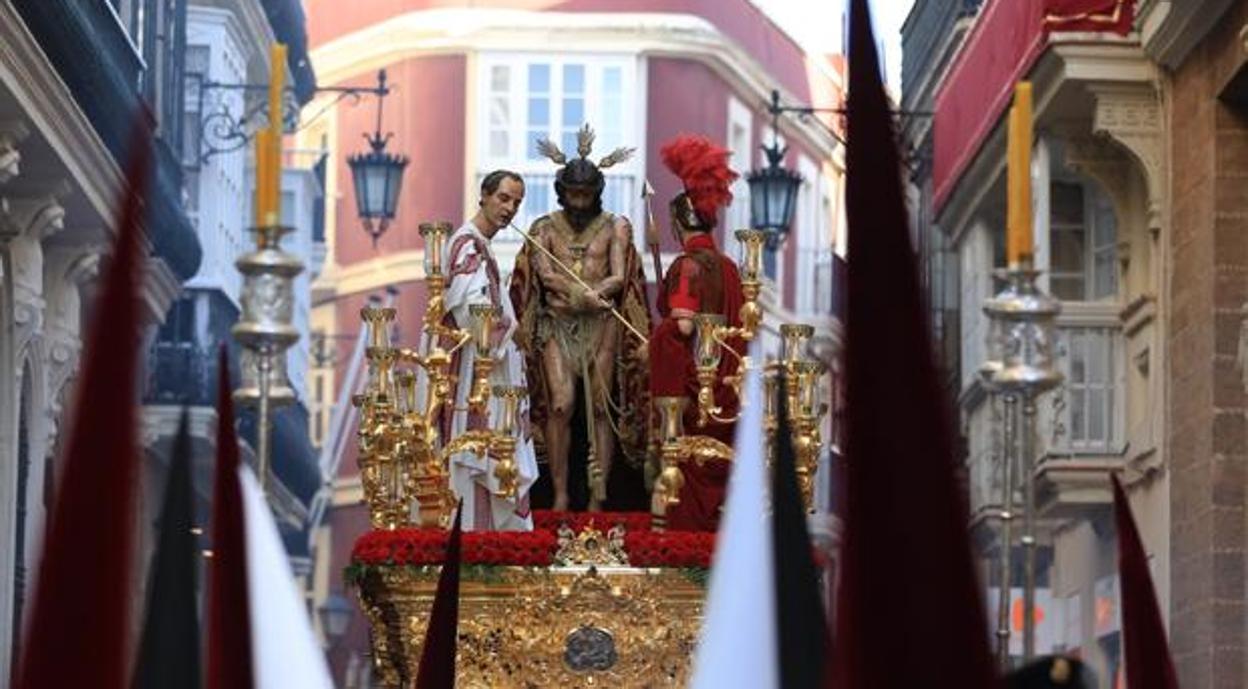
[(1089, 363), (530, 97), (1083, 240), (813, 250), (740, 142), (197, 63)]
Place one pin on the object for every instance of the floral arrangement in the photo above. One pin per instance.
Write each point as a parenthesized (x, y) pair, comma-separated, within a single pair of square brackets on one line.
[(415, 547), (537, 548), (680, 549)]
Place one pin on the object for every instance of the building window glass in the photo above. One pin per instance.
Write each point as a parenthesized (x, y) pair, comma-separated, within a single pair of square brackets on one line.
[(1083, 239), (1088, 364), (529, 97)]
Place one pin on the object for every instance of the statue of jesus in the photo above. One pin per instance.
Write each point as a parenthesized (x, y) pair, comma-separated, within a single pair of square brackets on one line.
[(572, 292)]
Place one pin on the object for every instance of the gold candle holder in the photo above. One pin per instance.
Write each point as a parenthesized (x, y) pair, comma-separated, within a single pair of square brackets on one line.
[(707, 354), (434, 234), (483, 319), (377, 321), (795, 337), (667, 487), (708, 349), (405, 391), (752, 261), (504, 443), (806, 385), (804, 413), (771, 405), (751, 280)]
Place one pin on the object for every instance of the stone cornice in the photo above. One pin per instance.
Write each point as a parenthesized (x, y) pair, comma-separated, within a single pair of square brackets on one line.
[(373, 274), (52, 110), (1171, 28)]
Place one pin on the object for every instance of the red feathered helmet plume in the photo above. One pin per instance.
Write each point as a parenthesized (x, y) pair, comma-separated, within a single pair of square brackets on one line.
[(703, 169)]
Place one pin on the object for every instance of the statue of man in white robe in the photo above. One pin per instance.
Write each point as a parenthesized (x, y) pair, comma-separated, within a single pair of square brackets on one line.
[(473, 278)]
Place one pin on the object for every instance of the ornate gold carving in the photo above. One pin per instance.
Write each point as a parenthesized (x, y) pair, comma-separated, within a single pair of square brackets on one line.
[(591, 546), (575, 627)]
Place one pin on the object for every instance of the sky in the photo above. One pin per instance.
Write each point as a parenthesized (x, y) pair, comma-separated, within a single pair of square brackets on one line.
[(816, 24)]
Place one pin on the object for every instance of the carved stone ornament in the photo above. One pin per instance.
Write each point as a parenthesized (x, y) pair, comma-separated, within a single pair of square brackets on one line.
[(12, 133), (1131, 116)]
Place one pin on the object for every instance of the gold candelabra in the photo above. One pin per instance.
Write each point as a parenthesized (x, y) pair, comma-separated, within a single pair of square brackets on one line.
[(751, 269), (403, 456), (713, 333), (674, 448), (804, 410)]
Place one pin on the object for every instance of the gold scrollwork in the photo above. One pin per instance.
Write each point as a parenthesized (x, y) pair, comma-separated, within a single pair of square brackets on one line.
[(575, 627)]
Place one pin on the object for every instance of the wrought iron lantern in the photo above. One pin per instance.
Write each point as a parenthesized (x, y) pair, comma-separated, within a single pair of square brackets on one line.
[(378, 176), (773, 189), (335, 616)]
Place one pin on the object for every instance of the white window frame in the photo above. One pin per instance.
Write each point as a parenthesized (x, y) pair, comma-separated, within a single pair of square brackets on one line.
[(626, 177), (1092, 224), (825, 245), (740, 138), (1097, 325), (806, 235)]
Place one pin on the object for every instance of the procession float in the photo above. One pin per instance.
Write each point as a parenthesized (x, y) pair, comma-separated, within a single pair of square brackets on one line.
[(593, 599)]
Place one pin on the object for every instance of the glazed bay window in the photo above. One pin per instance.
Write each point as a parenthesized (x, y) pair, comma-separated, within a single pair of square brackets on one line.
[(1091, 395), (1083, 239), (1083, 263), (526, 97)]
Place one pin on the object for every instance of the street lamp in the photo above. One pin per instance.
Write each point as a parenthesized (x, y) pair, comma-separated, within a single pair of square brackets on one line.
[(378, 175), (773, 189), (335, 616)]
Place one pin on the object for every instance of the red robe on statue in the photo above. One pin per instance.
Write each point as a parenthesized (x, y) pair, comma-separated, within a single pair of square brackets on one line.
[(701, 280)]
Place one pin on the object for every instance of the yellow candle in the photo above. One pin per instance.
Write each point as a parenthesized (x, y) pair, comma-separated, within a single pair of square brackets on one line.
[(277, 85), (1011, 188), (262, 176), (1022, 101), (1019, 241)]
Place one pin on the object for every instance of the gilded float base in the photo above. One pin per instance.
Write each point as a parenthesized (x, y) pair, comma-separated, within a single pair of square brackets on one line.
[(521, 628)]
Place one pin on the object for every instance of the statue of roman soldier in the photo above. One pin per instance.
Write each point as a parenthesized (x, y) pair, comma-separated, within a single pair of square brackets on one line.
[(701, 280), (579, 292)]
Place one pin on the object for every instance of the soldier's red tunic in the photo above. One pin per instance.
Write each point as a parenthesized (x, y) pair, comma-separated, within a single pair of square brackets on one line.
[(701, 280)]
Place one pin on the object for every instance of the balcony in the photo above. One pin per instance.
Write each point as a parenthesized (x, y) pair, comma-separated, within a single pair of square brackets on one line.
[(1081, 424), (181, 374)]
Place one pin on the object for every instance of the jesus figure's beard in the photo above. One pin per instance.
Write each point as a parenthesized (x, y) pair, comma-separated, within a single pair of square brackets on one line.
[(580, 218)]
